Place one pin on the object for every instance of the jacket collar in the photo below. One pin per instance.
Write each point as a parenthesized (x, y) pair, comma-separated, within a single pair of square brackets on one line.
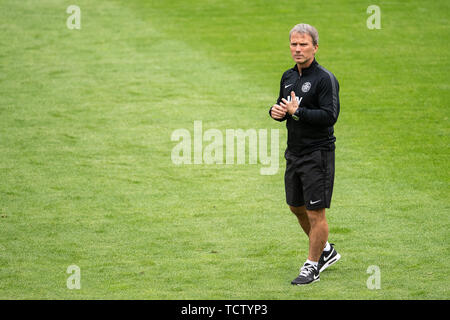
[(306, 71)]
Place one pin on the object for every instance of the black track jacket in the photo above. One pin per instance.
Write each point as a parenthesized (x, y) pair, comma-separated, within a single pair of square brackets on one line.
[(317, 89)]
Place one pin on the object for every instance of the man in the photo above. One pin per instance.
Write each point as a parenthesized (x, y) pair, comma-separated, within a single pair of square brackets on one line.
[(309, 102)]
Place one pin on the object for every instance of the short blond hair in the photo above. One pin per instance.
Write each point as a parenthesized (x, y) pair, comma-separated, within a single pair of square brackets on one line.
[(304, 28)]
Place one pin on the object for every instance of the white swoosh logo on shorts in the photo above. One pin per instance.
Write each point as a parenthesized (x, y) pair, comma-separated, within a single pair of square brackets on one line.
[(314, 202)]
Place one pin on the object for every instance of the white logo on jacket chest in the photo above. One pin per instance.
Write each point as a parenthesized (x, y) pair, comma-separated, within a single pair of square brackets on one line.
[(288, 98), (296, 98), (306, 86)]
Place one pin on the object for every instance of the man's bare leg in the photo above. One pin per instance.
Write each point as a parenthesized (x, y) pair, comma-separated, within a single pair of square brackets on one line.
[(315, 225), (302, 217), (318, 233)]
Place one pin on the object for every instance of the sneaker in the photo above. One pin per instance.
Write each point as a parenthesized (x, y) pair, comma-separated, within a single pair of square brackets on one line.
[(328, 258), (308, 274)]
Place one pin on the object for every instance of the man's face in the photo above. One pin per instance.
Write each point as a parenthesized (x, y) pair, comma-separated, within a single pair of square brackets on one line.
[(302, 48)]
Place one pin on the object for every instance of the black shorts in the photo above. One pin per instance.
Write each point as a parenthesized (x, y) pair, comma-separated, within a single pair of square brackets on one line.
[(309, 179)]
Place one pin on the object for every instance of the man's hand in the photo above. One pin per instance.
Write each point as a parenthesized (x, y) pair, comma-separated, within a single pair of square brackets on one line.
[(278, 112), (290, 106)]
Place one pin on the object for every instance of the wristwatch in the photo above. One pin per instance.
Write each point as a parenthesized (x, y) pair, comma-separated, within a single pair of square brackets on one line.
[(296, 115)]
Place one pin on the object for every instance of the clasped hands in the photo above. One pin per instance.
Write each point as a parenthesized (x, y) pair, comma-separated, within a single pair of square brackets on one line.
[(279, 111)]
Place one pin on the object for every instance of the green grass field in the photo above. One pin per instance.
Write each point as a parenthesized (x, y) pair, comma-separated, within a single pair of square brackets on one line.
[(86, 176)]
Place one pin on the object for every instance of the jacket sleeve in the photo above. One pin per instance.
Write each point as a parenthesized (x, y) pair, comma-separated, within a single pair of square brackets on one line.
[(328, 99), (280, 96)]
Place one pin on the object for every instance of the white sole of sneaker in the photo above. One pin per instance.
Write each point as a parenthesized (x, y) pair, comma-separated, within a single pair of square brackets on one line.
[(330, 262)]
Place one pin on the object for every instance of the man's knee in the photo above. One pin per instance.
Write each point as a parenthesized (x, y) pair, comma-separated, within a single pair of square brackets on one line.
[(298, 211), (316, 216)]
